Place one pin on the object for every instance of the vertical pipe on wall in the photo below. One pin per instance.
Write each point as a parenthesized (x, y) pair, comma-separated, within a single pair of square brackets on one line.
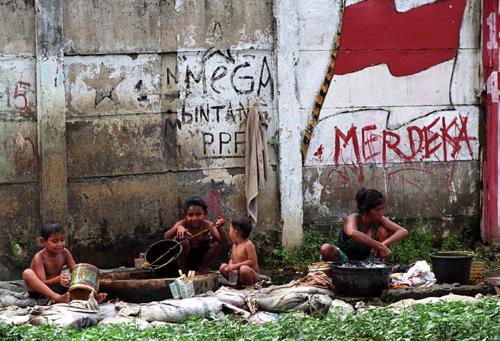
[(290, 160), (51, 118), (490, 50)]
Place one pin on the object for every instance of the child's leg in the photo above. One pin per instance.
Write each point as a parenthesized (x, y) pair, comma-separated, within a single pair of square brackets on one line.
[(223, 270), (382, 234), (35, 284), (331, 253), (101, 297), (186, 250), (210, 255), (247, 276)]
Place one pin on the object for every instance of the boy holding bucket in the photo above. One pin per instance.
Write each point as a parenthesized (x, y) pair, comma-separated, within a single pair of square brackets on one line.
[(44, 277), (201, 239)]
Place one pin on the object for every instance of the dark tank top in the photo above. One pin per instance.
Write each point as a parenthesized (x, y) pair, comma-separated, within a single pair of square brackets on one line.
[(353, 249)]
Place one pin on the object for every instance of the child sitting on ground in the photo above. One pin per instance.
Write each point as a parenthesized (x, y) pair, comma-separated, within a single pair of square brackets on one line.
[(201, 240), (243, 255), (44, 277)]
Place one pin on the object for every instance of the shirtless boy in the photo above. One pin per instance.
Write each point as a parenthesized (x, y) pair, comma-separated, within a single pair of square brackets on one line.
[(201, 240), (243, 255), (44, 277)]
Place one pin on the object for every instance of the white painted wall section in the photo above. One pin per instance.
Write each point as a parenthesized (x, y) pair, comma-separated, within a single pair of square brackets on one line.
[(290, 159)]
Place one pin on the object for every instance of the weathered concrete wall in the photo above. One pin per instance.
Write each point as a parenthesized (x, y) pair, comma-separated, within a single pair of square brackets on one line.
[(402, 113), (156, 93), (156, 113), (18, 27), (19, 161)]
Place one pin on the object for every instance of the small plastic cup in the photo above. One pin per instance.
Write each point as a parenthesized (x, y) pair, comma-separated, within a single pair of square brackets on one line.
[(233, 277), (66, 273)]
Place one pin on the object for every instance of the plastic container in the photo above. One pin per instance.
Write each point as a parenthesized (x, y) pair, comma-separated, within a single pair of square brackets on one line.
[(163, 257), (451, 267), (233, 277), (186, 289), (356, 278), (174, 290)]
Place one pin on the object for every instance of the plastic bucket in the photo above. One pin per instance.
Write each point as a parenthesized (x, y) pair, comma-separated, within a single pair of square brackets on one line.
[(163, 256), (451, 267), (356, 278)]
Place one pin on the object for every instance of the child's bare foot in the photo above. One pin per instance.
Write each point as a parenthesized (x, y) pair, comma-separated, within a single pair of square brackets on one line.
[(101, 297), (64, 298)]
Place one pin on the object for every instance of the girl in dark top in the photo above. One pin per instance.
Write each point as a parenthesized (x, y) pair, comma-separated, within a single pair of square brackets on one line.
[(367, 234)]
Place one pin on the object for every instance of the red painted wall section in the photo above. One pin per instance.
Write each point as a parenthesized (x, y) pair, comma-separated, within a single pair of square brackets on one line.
[(490, 47), (374, 33)]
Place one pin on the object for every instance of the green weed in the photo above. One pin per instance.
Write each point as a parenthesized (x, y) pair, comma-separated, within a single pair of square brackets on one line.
[(302, 256), (420, 243)]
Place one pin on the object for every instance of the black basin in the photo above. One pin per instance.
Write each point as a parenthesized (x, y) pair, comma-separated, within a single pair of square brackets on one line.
[(356, 278)]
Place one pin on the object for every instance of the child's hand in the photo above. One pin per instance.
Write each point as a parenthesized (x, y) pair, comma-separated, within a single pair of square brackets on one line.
[(219, 222), (231, 267), (182, 232), (383, 252), (64, 280)]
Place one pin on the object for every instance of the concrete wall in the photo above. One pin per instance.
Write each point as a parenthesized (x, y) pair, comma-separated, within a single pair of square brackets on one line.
[(402, 113), (19, 159), (155, 97)]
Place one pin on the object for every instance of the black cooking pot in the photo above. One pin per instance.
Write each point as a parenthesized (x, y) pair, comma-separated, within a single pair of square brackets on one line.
[(357, 278)]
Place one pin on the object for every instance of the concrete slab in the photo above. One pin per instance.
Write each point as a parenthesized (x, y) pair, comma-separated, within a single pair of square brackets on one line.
[(128, 26), (18, 27), (437, 290), (140, 286), (18, 152)]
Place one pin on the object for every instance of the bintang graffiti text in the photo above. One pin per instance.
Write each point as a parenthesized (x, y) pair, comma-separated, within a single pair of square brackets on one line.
[(216, 89), (439, 140)]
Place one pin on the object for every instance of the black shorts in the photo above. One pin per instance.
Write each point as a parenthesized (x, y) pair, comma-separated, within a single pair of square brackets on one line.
[(196, 255), (58, 289)]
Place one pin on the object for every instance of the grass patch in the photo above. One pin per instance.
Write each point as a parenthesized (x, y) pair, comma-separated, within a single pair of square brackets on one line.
[(440, 321), (301, 257), (420, 243)]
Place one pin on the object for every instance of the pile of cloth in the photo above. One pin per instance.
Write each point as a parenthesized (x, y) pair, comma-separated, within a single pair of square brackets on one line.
[(311, 294), (418, 275)]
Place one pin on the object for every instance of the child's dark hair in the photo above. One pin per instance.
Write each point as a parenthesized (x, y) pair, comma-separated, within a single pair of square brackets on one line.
[(196, 201), (368, 199), (244, 225), (51, 228)]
